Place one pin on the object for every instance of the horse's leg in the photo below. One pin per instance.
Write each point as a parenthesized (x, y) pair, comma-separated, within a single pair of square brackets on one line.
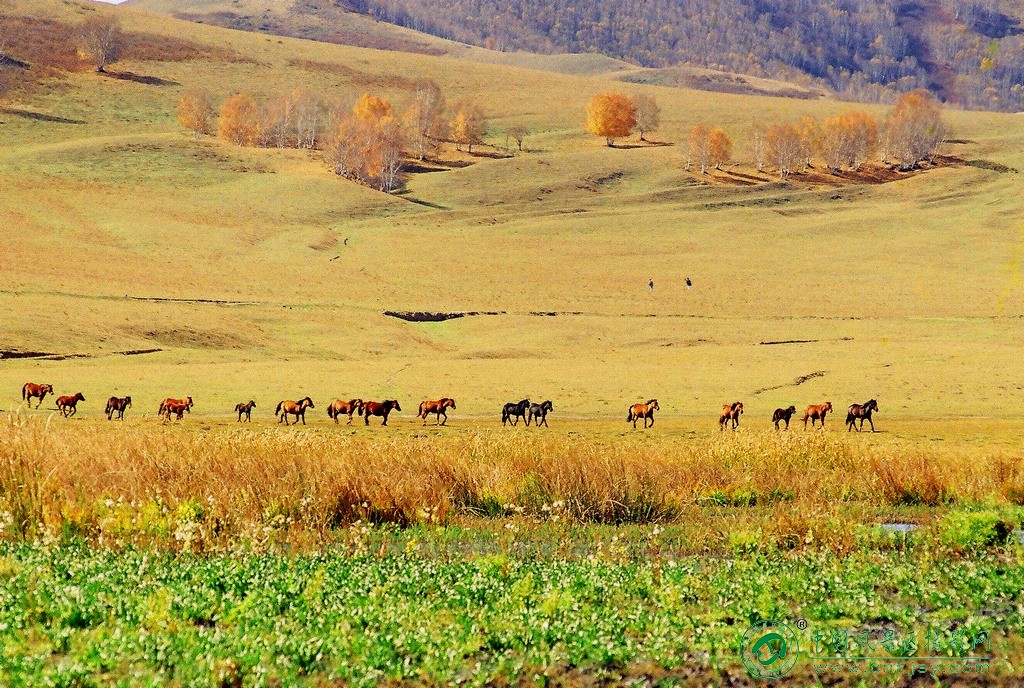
[(870, 422), (303, 416), (445, 421), (385, 417)]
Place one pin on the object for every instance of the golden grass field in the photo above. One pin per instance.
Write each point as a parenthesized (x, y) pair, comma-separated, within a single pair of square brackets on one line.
[(909, 292)]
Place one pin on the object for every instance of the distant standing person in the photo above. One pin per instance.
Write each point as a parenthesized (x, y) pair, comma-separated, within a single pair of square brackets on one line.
[(688, 283), (650, 285)]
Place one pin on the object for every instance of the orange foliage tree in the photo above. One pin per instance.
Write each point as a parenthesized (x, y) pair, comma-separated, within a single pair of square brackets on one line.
[(914, 129), (847, 139), (611, 115), (720, 147), (468, 126), (240, 120), (784, 148), (194, 111), (367, 145)]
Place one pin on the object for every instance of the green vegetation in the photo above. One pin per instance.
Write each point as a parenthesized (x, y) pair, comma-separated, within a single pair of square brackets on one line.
[(417, 607)]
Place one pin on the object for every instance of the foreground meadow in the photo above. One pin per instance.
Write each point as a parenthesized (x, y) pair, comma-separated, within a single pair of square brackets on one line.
[(205, 553)]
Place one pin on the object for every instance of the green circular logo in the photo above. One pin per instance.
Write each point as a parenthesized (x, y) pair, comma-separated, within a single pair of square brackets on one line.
[(769, 649)]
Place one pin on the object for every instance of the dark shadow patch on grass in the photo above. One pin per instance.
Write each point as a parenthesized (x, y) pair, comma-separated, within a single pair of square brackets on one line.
[(40, 116), (141, 79)]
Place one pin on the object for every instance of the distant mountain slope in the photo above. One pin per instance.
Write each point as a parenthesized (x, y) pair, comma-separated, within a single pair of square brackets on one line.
[(971, 52)]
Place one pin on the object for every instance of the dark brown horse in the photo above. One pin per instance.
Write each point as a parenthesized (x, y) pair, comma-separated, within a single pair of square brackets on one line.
[(539, 413), (783, 415), (863, 412), (382, 408), (118, 404), (246, 410), (294, 408), (731, 412), (513, 411), (645, 411), (436, 407), (69, 405), (176, 406), (339, 406), (817, 412), (31, 389)]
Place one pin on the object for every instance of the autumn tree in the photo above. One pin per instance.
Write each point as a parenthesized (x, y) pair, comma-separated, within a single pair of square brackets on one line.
[(784, 148), (847, 140), (759, 144), (518, 133), (100, 41), (367, 145), (195, 110), (310, 119), (914, 129), (807, 127), (611, 115), (700, 147), (468, 126), (648, 114), (719, 147), (240, 120), (424, 117)]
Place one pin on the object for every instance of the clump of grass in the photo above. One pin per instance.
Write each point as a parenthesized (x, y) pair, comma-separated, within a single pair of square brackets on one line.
[(194, 487)]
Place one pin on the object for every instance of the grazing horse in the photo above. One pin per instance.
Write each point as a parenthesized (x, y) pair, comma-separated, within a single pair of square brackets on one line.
[(783, 415), (645, 411), (295, 408), (436, 407), (31, 389), (69, 405), (117, 404), (383, 408), (817, 412), (175, 406), (339, 406), (862, 411), (245, 409), (539, 412), (731, 412), (513, 411)]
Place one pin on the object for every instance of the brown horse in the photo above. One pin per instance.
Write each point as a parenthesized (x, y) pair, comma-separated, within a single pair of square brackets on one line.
[(645, 411), (176, 406), (862, 411), (817, 412), (118, 404), (295, 408), (69, 405), (383, 408), (245, 409), (339, 406), (783, 415), (731, 412), (31, 389), (436, 407)]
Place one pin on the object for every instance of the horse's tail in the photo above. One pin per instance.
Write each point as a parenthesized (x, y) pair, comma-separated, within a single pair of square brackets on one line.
[(504, 415), (277, 411), (850, 417), (24, 391), (330, 411), (629, 414), (423, 405)]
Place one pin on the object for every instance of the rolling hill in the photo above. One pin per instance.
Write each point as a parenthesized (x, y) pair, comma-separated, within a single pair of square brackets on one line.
[(246, 271), (970, 53)]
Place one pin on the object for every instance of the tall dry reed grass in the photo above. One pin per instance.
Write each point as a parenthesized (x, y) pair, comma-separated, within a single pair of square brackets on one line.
[(102, 479)]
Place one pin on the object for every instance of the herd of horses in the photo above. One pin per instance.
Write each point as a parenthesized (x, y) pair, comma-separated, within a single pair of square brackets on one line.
[(511, 413)]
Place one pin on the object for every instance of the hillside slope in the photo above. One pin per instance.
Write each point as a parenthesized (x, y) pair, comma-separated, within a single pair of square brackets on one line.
[(258, 271), (971, 53)]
